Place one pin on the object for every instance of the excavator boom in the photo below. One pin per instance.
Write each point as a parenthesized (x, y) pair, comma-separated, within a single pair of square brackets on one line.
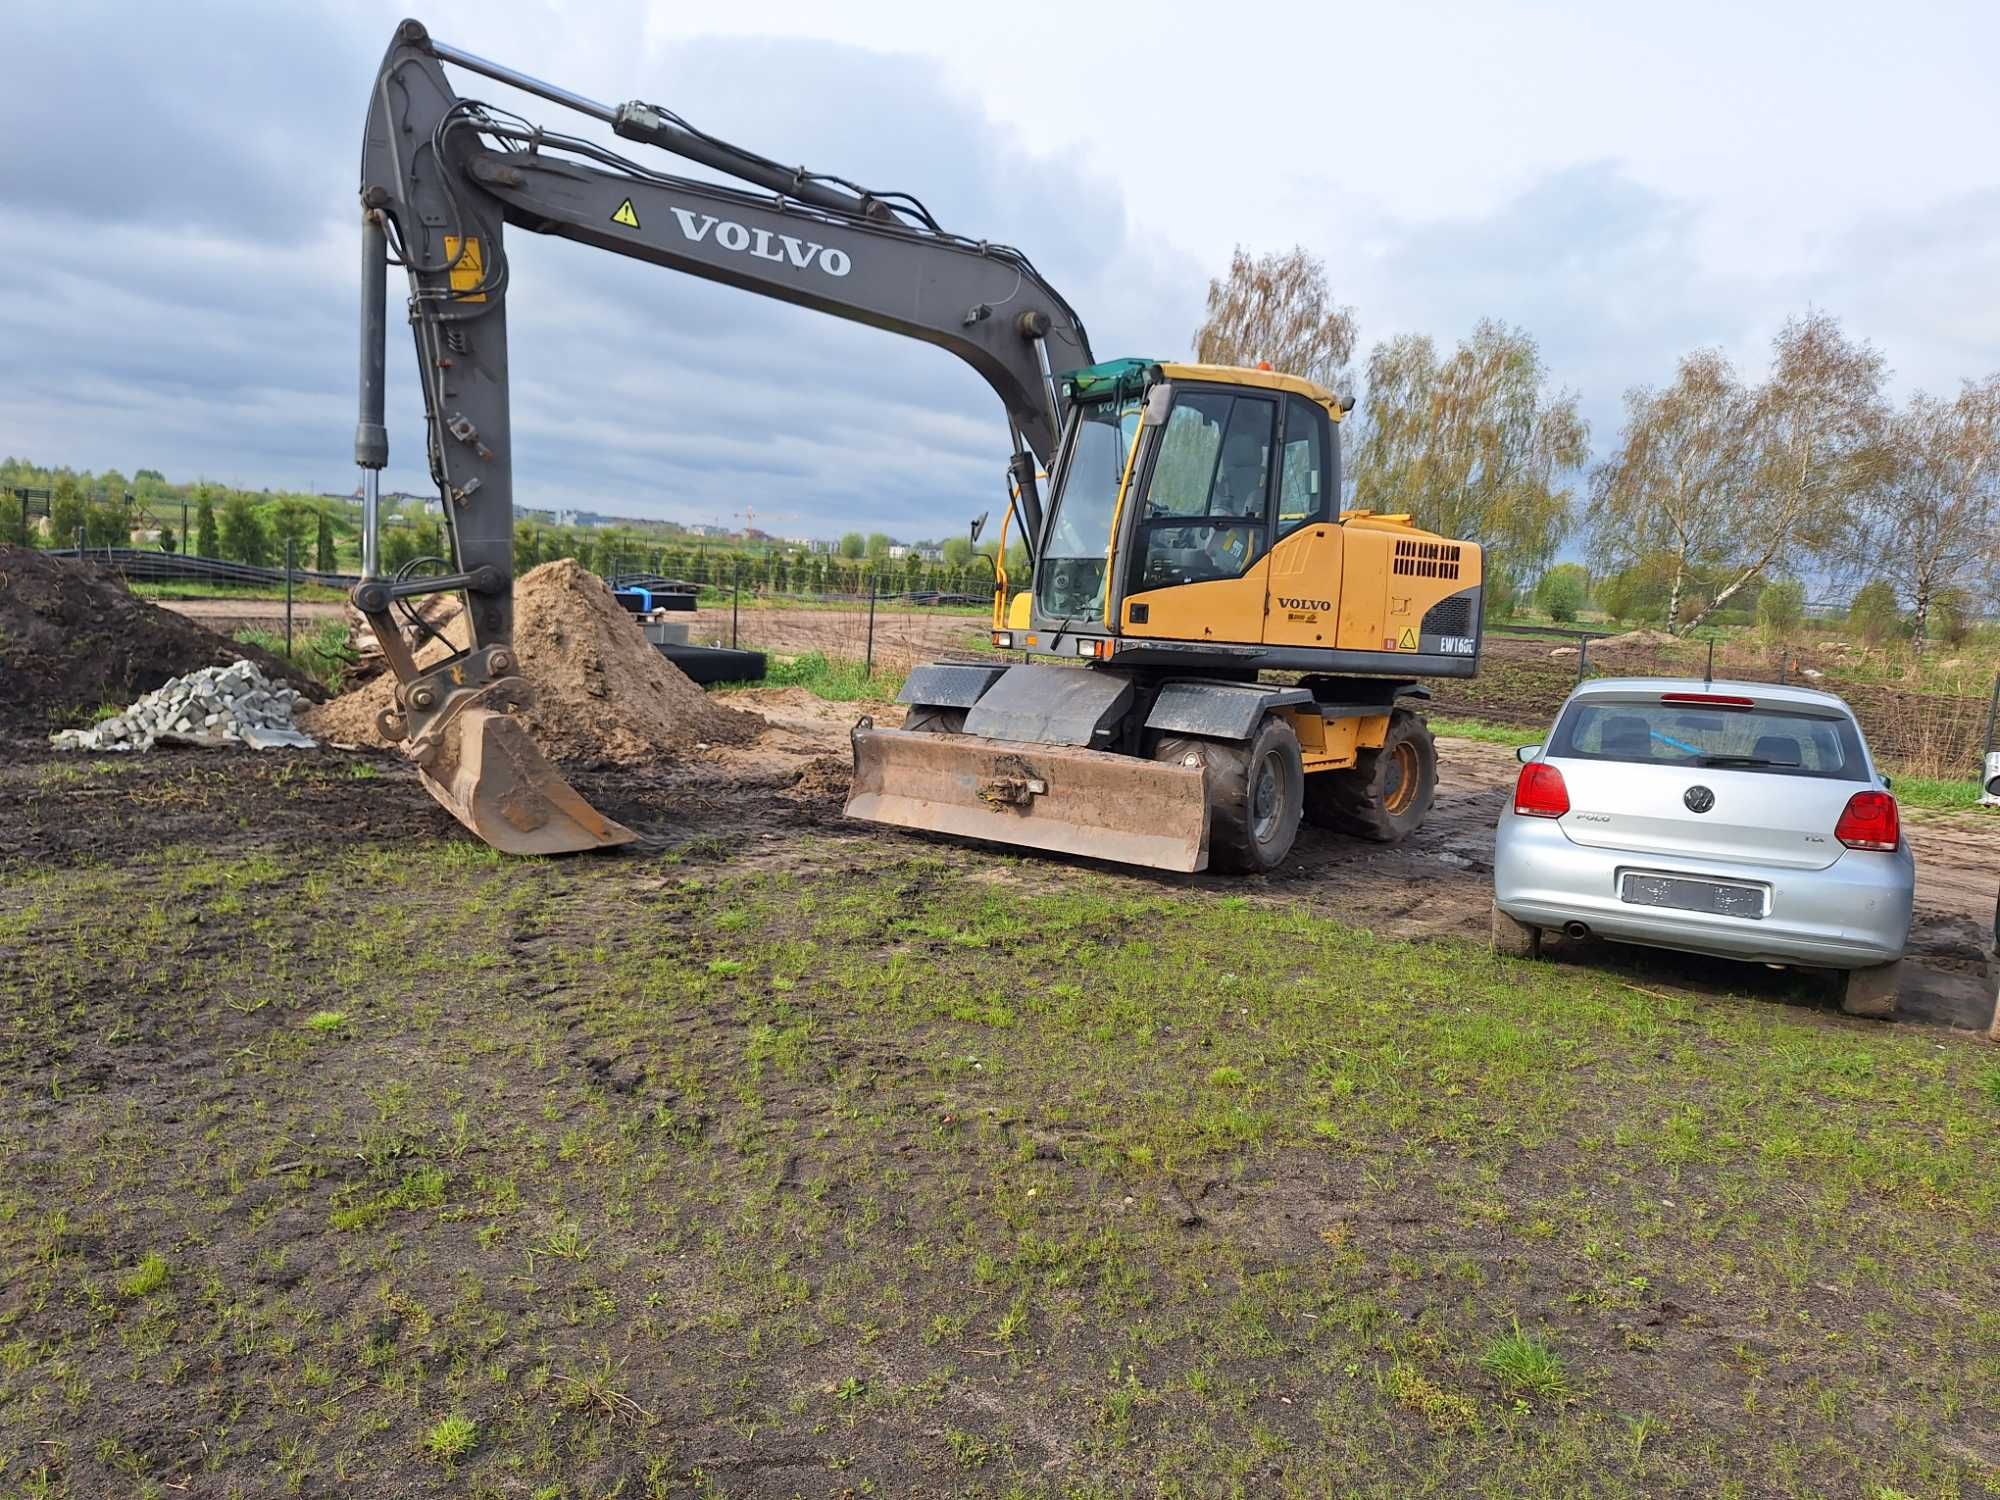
[(443, 179)]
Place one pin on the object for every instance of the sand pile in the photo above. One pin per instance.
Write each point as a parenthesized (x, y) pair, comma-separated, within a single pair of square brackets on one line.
[(604, 696), (73, 638), (1633, 638)]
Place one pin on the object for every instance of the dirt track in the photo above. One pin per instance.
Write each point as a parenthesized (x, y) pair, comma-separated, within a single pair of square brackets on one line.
[(750, 804)]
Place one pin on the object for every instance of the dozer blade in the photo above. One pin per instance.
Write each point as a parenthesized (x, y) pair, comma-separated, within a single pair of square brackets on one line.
[(1089, 802), (482, 766)]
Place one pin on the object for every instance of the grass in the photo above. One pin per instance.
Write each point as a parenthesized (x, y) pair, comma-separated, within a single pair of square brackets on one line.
[(836, 679), (451, 1438), (1524, 1363), (149, 1277), (908, 1169), (311, 593), (1492, 734), (1939, 794), (323, 650)]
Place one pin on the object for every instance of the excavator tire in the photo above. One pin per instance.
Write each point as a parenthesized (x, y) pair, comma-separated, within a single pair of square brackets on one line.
[(924, 719), (1388, 794), (1255, 790)]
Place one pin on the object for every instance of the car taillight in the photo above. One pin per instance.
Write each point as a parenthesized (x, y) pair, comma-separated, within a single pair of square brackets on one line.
[(1869, 821), (1540, 792)]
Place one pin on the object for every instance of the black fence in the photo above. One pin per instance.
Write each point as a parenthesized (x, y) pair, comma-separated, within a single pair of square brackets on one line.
[(142, 566)]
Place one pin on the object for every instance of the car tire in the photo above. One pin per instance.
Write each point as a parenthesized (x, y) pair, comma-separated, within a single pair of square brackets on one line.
[(1512, 939), (1871, 992), (1388, 794), (1255, 791), (923, 718)]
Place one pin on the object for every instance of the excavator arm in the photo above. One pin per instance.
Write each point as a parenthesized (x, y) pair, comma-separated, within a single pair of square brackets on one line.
[(443, 178)]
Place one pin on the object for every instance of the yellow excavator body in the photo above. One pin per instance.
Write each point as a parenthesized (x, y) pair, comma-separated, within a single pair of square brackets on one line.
[(1193, 550)]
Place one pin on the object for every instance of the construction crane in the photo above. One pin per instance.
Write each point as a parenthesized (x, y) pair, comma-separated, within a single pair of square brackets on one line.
[(1191, 541)]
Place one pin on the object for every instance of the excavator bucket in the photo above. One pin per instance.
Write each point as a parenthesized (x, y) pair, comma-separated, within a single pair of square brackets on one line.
[(1089, 802), (485, 770)]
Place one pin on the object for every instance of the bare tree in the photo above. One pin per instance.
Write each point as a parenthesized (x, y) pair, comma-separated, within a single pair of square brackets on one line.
[(1475, 445), (1277, 308), (1935, 509), (1814, 456), (1670, 489)]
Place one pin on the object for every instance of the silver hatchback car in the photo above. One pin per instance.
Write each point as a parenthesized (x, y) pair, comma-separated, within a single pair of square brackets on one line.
[(1738, 819)]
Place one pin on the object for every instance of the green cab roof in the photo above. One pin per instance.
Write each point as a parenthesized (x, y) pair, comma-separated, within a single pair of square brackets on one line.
[(1114, 377)]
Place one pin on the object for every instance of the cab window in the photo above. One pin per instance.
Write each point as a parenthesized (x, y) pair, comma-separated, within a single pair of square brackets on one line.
[(1302, 476), (1207, 505)]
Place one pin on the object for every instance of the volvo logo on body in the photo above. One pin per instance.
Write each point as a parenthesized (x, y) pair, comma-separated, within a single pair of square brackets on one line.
[(762, 243), (1699, 799), (1285, 603)]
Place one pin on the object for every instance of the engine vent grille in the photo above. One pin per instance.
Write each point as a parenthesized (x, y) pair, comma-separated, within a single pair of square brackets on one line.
[(1451, 616), (1415, 559)]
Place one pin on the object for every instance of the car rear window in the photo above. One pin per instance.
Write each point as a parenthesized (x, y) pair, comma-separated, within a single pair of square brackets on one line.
[(1765, 738)]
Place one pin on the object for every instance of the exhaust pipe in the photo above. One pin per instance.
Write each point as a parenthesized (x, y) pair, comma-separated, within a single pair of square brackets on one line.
[(1576, 931)]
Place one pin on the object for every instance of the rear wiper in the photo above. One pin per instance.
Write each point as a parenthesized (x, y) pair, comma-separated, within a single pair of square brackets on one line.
[(1742, 760)]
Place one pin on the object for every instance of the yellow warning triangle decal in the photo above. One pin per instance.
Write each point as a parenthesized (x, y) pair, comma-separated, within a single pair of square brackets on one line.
[(1408, 642), (626, 216)]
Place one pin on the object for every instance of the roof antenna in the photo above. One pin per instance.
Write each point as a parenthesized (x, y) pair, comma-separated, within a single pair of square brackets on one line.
[(1708, 673)]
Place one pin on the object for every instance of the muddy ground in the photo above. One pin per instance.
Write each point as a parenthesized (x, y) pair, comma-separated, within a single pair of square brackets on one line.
[(781, 1157), (743, 803)]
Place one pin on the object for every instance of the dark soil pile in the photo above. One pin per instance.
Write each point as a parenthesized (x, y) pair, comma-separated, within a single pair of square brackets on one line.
[(73, 638), (603, 695)]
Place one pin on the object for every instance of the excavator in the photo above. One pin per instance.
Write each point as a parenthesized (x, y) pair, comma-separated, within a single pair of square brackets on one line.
[(1207, 652)]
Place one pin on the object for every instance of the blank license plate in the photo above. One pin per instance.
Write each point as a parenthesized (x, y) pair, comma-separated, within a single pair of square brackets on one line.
[(1714, 896)]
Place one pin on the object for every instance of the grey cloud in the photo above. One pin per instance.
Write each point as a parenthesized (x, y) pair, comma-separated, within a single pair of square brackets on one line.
[(199, 316)]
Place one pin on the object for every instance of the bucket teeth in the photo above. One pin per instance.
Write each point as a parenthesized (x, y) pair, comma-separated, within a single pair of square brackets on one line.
[(1054, 797), (485, 770)]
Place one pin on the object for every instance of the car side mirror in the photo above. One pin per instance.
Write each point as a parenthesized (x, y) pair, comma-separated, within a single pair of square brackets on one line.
[(1887, 784), (1526, 753)]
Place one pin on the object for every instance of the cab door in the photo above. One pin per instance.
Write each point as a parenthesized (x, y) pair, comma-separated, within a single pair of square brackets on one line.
[(1199, 554), (1302, 607)]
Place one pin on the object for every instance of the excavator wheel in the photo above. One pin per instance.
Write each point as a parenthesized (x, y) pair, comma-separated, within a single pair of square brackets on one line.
[(1388, 794), (924, 719), (1256, 793)]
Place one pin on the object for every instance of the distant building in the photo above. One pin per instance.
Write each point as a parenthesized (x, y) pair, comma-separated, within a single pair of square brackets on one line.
[(897, 551), (931, 554)]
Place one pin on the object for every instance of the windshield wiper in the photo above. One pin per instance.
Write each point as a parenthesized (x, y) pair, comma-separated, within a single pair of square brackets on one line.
[(1742, 760)]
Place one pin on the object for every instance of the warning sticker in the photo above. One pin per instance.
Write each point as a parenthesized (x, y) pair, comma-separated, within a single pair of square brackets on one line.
[(626, 216), (1409, 640), (468, 267)]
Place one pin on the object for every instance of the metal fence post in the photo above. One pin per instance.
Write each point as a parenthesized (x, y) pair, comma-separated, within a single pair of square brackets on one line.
[(1582, 656), (868, 662), (735, 593), (291, 547)]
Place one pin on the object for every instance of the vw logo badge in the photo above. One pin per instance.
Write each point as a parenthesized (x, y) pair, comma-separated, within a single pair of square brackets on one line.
[(1699, 799)]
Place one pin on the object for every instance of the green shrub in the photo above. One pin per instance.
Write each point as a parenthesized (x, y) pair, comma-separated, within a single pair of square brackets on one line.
[(1874, 616), (1563, 592), (1781, 609)]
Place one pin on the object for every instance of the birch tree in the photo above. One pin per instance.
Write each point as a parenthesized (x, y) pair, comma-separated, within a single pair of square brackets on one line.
[(1475, 446), (1277, 308), (1935, 508), (1815, 454), (1670, 489)]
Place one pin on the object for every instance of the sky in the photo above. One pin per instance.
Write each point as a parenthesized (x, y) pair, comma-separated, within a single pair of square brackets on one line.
[(178, 220)]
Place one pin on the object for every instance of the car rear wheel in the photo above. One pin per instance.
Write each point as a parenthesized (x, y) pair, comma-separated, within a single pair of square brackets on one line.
[(1871, 992), (1512, 939)]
